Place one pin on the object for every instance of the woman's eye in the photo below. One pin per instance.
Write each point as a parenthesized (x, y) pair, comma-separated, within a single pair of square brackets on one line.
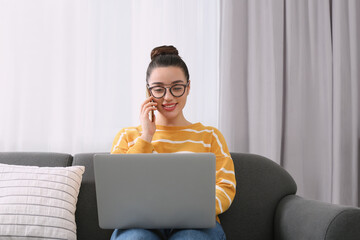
[(158, 90), (177, 88)]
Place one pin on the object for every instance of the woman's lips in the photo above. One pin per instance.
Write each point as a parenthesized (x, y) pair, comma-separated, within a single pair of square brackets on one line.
[(169, 107)]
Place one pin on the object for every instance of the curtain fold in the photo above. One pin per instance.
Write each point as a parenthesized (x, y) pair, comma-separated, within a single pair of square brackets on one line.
[(308, 108), (346, 101), (251, 76), (295, 68)]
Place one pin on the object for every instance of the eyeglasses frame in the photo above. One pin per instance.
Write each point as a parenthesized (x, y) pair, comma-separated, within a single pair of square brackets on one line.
[(177, 84)]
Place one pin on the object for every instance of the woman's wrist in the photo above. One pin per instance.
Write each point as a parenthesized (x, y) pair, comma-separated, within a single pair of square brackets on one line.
[(146, 137)]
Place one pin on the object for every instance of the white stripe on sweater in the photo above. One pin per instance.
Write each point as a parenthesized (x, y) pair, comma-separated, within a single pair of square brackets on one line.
[(133, 142), (196, 131), (118, 142), (178, 142), (121, 136), (225, 171), (220, 145), (219, 188), (219, 202), (229, 182), (188, 130)]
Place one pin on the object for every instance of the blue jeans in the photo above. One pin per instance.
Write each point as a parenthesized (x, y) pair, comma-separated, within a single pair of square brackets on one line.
[(216, 233)]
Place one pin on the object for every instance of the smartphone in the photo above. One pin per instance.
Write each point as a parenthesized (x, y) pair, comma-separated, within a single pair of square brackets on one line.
[(151, 114)]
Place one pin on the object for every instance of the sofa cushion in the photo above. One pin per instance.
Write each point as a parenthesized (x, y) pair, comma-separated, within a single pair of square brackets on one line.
[(39, 202)]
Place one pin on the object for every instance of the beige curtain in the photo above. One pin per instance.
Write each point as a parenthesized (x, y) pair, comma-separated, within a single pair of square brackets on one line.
[(289, 71)]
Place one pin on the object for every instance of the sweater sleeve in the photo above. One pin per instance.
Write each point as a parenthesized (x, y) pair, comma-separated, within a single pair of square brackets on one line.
[(225, 174), (127, 142)]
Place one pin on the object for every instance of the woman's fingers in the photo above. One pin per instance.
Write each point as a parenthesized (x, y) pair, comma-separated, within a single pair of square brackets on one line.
[(148, 102), (151, 106), (146, 108), (148, 126)]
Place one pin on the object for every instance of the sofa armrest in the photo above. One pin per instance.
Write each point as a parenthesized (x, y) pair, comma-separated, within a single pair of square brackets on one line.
[(299, 218)]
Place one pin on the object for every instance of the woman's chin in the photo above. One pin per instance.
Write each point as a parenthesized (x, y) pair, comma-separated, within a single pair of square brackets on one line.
[(169, 115)]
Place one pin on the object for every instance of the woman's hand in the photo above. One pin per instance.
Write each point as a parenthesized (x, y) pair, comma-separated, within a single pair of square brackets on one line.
[(148, 127)]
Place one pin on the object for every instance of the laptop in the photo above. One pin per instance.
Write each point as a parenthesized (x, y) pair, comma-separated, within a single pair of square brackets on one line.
[(155, 191)]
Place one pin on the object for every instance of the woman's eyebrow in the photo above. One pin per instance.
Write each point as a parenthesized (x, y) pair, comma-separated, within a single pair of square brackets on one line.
[(174, 82)]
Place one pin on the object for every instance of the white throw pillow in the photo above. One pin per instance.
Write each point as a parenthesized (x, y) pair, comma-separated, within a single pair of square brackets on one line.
[(38, 202)]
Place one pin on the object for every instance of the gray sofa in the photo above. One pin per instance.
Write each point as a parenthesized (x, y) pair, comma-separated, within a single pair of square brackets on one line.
[(265, 206)]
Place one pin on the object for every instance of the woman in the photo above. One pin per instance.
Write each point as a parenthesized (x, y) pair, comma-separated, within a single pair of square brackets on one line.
[(168, 82)]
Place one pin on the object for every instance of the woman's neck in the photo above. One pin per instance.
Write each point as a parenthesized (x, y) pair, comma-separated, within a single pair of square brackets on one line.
[(180, 120)]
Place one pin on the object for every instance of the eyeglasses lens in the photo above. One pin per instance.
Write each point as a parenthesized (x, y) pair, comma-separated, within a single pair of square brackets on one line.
[(176, 91)]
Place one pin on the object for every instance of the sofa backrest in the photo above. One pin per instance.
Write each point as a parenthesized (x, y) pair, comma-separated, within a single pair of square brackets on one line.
[(41, 159), (260, 185), (86, 215)]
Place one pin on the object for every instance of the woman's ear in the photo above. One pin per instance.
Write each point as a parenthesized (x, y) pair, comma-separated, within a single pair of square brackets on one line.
[(188, 88)]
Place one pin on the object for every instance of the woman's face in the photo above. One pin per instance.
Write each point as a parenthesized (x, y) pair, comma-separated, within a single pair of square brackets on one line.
[(169, 106)]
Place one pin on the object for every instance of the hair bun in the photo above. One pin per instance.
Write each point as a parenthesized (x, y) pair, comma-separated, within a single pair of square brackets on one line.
[(164, 50)]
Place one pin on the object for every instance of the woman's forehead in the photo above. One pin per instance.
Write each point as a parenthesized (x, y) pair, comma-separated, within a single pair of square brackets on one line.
[(167, 75)]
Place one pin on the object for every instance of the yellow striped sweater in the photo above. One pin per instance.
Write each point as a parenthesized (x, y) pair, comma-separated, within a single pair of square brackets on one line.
[(192, 138)]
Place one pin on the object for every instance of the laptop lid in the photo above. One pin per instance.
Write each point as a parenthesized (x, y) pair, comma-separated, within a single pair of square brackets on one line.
[(155, 190)]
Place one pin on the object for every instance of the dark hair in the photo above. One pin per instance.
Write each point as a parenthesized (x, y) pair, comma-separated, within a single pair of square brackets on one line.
[(166, 56)]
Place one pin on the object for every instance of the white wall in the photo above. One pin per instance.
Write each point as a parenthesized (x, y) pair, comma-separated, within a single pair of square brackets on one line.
[(72, 73)]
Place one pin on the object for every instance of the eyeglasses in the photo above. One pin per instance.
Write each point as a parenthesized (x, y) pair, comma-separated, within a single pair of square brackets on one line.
[(176, 90)]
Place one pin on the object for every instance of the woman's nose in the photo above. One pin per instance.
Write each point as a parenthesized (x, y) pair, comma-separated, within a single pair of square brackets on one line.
[(168, 95)]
